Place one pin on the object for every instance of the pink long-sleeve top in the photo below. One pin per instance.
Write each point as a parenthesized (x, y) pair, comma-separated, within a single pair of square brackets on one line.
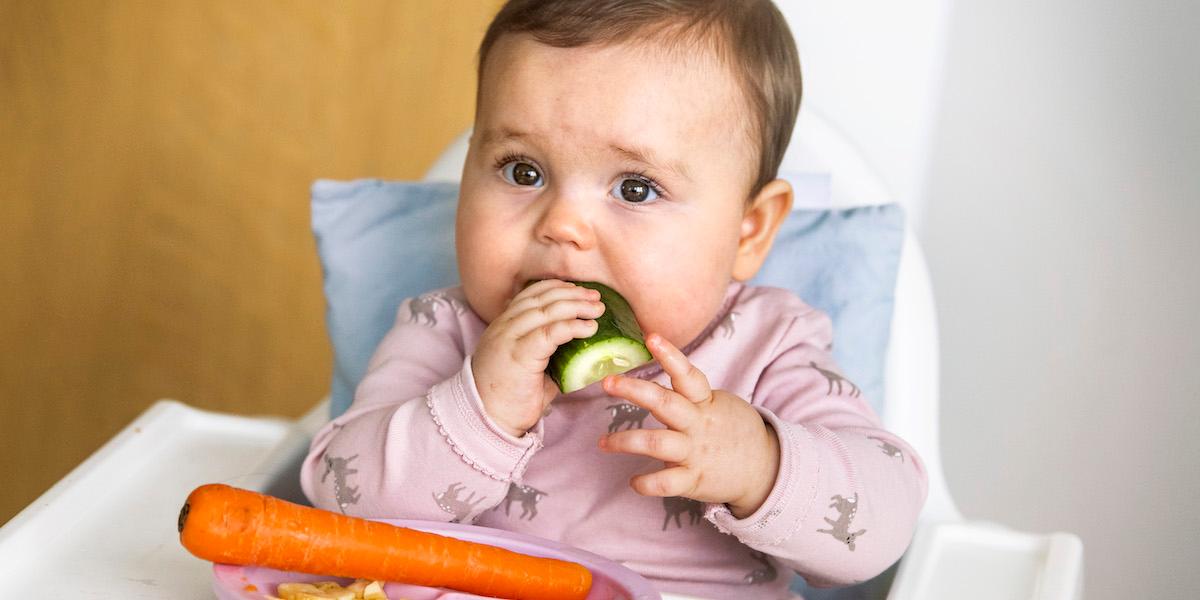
[(417, 444)]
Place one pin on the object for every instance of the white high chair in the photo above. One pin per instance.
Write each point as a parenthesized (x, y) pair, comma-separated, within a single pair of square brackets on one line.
[(871, 71)]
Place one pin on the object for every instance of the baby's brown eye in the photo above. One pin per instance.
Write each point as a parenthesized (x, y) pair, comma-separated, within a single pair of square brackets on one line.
[(519, 172), (635, 190), (525, 174)]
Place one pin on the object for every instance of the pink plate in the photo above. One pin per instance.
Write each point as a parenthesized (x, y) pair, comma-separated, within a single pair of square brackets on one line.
[(610, 581)]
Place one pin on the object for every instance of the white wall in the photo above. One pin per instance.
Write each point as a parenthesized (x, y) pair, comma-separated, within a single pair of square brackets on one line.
[(1062, 232)]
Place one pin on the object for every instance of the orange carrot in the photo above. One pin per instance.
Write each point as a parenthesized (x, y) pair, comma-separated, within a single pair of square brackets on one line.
[(228, 525)]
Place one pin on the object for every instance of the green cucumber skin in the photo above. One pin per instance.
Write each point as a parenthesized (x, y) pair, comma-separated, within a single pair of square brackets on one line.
[(617, 321)]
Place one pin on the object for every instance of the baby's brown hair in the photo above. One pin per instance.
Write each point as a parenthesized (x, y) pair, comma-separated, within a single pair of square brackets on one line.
[(750, 37)]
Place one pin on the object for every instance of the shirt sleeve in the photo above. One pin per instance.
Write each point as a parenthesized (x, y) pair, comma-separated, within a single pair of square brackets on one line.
[(416, 443), (845, 502)]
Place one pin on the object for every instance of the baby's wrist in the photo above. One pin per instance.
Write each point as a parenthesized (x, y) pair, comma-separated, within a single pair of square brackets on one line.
[(498, 419), (762, 486), (501, 423), (486, 397)]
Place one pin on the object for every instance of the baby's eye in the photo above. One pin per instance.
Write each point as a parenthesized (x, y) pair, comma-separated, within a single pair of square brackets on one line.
[(635, 190), (519, 172)]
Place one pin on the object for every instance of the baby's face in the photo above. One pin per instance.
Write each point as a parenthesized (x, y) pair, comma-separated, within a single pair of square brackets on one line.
[(621, 164)]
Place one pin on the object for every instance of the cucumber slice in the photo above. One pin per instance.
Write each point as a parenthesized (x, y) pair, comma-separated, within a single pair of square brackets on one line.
[(616, 347)]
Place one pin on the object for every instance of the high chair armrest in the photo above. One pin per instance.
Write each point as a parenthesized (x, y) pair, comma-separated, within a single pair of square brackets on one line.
[(986, 561)]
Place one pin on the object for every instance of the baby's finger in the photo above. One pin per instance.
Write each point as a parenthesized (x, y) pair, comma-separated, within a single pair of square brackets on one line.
[(559, 310), (668, 407), (547, 291), (663, 444), (535, 288), (537, 345), (686, 379), (672, 481)]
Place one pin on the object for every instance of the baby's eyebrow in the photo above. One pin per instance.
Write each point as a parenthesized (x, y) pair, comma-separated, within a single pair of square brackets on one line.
[(647, 157), (501, 134)]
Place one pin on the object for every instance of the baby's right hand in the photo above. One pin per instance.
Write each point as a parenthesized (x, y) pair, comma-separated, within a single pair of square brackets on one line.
[(510, 361)]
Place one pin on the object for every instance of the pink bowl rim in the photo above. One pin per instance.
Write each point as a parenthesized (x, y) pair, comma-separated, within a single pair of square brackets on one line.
[(229, 577)]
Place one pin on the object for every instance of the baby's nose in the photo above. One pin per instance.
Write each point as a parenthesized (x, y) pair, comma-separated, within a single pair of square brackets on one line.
[(566, 220)]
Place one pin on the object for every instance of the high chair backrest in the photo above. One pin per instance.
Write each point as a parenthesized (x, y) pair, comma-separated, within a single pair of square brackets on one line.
[(872, 73), (871, 79)]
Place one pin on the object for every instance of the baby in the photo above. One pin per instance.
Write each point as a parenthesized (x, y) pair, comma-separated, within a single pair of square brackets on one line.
[(633, 143)]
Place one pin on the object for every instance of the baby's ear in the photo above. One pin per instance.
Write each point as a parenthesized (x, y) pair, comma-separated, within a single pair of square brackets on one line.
[(761, 220)]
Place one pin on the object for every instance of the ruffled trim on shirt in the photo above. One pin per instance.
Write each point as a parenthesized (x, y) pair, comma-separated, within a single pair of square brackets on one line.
[(478, 441)]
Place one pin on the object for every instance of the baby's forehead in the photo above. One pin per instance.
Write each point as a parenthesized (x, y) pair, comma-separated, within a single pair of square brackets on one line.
[(641, 52), (635, 96)]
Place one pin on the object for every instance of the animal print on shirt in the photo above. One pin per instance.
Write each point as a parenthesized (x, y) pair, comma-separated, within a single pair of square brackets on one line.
[(678, 505), (528, 496), (835, 378), (626, 414), (840, 529), (424, 308), (461, 508), (888, 448), (343, 492)]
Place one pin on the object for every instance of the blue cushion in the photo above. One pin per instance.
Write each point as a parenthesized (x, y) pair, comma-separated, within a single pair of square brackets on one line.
[(844, 262), (382, 241)]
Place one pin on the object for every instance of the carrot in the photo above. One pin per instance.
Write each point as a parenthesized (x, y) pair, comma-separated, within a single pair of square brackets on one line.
[(225, 524)]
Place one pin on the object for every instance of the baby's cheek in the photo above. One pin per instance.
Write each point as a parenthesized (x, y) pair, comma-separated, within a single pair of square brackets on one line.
[(684, 312), (486, 276)]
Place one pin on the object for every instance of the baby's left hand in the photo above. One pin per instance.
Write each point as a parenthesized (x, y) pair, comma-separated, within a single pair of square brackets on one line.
[(716, 446)]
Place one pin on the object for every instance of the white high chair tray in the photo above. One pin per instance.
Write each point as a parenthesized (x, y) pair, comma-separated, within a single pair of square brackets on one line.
[(983, 561), (108, 529)]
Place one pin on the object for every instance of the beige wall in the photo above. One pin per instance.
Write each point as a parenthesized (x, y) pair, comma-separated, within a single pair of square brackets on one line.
[(155, 160)]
